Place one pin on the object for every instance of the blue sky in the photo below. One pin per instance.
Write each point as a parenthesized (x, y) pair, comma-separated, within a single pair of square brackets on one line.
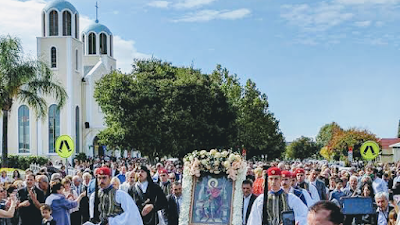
[(318, 61)]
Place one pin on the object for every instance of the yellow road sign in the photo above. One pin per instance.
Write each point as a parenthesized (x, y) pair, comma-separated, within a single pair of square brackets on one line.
[(65, 146), (369, 150)]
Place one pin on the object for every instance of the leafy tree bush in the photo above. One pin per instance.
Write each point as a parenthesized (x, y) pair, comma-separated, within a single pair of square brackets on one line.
[(24, 162)]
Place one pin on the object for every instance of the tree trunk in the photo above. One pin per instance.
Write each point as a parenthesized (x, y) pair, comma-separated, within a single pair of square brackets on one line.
[(5, 140)]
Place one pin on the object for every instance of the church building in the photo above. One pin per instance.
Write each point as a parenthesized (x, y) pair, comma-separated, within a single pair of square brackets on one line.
[(78, 58)]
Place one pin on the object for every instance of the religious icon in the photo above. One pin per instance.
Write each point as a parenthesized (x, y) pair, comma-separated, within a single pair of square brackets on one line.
[(212, 200)]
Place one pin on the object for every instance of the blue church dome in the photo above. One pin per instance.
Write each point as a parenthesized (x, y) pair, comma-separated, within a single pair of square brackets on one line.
[(60, 5), (97, 28)]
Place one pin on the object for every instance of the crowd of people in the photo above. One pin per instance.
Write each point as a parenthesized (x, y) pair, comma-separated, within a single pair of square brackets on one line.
[(299, 186), (134, 191)]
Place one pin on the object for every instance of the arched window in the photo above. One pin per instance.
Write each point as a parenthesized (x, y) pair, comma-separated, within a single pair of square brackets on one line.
[(53, 23), (111, 45), (23, 129), (76, 60), (66, 23), (44, 24), (92, 43), (53, 55), (54, 126), (76, 26), (83, 42), (103, 44), (77, 130)]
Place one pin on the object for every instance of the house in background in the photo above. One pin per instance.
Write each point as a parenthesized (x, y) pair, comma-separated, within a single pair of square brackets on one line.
[(390, 150)]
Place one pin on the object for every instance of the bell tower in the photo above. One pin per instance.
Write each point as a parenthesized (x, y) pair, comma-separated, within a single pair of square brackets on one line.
[(59, 46)]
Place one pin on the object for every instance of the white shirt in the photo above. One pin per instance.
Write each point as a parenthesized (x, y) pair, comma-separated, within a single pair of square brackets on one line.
[(383, 216), (130, 213), (246, 202), (395, 180), (125, 186), (300, 210), (379, 185), (314, 193), (306, 195), (143, 185), (4, 179)]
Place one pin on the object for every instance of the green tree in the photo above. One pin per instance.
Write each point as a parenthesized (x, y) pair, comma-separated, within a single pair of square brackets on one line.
[(326, 133), (353, 137), (257, 130), (302, 148), (162, 110), (24, 80)]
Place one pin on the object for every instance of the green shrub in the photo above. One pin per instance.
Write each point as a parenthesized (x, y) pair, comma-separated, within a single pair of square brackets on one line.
[(81, 157), (24, 162)]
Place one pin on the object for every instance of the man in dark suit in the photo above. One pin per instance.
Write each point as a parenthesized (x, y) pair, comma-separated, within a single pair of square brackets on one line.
[(174, 204), (30, 198), (248, 199)]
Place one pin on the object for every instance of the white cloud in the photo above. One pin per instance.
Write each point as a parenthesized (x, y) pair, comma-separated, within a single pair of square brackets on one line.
[(125, 52), (366, 23), (193, 3), (27, 26), (207, 15), (23, 20), (320, 18), (159, 4), (235, 14), (365, 2)]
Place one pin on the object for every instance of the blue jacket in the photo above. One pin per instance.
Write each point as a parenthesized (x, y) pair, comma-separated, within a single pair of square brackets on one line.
[(60, 207)]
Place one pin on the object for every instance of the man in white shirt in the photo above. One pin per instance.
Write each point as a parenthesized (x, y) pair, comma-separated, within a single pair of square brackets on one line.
[(378, 184), (130, 181), (121, 210), (248, 199), (300, 175), (277, 202), (382, 201)]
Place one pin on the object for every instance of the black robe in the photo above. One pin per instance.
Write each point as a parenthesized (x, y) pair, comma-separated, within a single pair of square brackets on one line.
[(154, 195)]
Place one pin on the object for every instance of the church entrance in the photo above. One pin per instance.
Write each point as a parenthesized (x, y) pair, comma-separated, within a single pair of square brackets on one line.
[(98, 150)]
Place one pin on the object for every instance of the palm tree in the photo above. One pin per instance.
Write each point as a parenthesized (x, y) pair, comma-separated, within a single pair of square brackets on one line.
[(24, 80)]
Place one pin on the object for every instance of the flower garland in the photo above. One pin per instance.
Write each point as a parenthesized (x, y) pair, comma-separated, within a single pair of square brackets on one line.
[(213, 162)]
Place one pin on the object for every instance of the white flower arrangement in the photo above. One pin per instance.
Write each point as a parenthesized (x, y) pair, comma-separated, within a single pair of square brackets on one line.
[(213, 162)]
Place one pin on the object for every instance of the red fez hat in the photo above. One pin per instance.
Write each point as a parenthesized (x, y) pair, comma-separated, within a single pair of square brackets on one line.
[(286, 174), (103, 171), (163, 171), (274, 171), (299, 170)]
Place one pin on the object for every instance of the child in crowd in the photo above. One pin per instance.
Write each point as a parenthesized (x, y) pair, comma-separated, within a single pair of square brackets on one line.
[(392, 217), (46, 214)]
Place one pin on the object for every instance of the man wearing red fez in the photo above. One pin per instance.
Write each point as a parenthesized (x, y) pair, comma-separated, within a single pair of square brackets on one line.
[(115, 207), (302, 183), (287, 186), (308, 200), (277, 201)]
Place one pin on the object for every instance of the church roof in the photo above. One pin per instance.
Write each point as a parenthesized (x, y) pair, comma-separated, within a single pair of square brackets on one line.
[(97, 28), (60, 5)]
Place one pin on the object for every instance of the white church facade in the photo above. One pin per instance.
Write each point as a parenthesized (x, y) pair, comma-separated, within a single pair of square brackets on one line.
[(77, 60)]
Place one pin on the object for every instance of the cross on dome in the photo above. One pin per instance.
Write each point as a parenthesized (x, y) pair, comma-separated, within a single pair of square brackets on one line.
[(97, 15)]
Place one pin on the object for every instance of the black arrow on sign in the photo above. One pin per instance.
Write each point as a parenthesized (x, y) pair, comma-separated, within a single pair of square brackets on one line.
[(66, 144), (369, 147)]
